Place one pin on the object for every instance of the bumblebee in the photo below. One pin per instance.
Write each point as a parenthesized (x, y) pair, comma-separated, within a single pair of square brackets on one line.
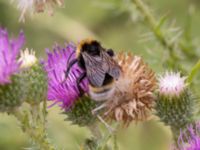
[(99, 67)]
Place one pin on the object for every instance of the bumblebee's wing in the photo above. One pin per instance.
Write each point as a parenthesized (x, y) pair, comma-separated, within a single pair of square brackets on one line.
[(95, 72), (110, 65)]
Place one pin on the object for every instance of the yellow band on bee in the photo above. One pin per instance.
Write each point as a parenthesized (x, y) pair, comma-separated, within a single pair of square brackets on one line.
[(80, 45), (102, 88)]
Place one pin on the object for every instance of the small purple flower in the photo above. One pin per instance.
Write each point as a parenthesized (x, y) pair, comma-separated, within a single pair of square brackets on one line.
[(190, 139), (9, 50), (61, 90)]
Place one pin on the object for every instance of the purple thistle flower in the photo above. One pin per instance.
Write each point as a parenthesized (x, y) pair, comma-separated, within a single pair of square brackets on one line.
[(9, 50), (190, 140), (60, 90)]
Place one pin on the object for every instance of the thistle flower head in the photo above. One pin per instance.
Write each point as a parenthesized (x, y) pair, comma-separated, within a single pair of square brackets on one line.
[(133, 97), (171, 84), (175, 104), (9, 50), (37, 6), (190, 139), (61, 90)]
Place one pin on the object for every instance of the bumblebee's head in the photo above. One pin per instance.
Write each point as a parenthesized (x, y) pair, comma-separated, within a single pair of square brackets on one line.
[(92, 47)]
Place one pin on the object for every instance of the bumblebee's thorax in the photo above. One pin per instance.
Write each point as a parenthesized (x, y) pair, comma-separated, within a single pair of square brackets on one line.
[(90, 47)]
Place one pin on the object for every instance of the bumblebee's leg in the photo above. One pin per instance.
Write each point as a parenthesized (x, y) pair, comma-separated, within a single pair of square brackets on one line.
[(110, 129), (69, 67), (98, 108), (79, 80)]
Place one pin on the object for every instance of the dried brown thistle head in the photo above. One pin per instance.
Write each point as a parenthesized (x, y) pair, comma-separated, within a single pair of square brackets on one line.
[(31, 6), (133, 97), (49, 4)]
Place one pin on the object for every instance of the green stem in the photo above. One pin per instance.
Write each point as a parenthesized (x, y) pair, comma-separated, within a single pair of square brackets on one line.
[(115, 142), (35, 133), (106, 138), (104, 142), (153, 24), (175, 134), (95, 131), (158, 33)]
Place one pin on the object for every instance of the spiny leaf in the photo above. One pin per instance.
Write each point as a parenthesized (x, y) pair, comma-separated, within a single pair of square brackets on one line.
[(162, 21)]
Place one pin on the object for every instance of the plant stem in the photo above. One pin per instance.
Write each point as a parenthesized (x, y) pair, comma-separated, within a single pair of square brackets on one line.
[(95, 131), (115, 142), (104, 141), (36, 133), (153, 24)]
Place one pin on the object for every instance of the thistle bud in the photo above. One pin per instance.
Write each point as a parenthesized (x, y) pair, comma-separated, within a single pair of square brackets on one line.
[(11, 94), (81, 112), (174, 104), (34, 78)]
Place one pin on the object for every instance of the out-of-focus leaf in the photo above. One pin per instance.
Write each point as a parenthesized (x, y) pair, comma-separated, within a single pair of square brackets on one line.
[(194, 71)]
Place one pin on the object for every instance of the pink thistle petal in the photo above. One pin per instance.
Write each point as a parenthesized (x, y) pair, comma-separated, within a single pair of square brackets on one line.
[(9, 50), (60, 90), (171, 84), (190, 139)]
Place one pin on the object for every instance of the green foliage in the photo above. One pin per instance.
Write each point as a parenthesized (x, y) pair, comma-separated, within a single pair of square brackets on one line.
[(90, 144), (32, 122), (110, 22), (193, 72)]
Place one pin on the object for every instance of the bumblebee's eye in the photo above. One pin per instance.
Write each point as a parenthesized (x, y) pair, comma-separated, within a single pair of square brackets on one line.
[(93, 48), (86, 47), (110, 52)]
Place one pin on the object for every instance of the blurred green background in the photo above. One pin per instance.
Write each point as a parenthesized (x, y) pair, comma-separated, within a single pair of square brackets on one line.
[(110, 22)]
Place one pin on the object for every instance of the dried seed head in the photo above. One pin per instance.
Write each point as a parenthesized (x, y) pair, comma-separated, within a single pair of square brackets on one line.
[(31, 6), (133, 98)]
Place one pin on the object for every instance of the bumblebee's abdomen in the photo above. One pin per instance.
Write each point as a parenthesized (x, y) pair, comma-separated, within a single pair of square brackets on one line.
[(108, 79), (102, 93)]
